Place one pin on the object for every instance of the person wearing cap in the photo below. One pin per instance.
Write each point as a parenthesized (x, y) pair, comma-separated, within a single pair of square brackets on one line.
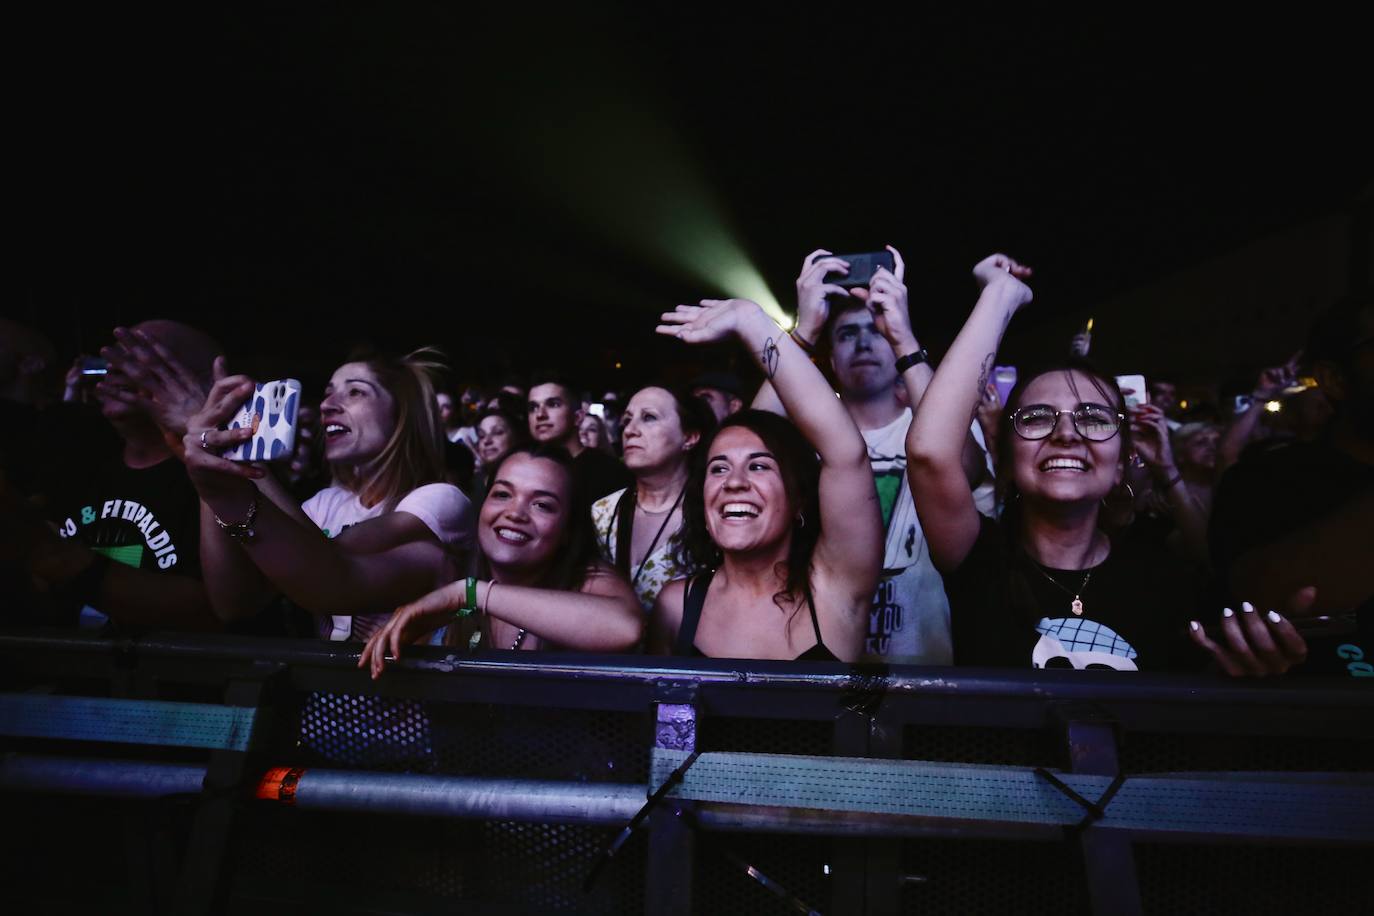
[(721, 391)]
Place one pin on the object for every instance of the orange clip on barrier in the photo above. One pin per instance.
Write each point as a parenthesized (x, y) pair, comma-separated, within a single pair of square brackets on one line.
[(279, 784)]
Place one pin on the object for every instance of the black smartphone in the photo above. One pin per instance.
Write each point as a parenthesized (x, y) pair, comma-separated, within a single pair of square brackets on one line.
[(862, 267), (94, 365)]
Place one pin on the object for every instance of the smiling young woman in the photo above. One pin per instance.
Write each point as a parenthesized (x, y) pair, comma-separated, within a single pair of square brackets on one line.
[(792, 541), (539, 582), (1045, 586)]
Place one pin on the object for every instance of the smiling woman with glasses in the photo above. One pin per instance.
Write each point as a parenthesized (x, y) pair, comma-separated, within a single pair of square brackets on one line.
[(1046, 585), (1095, 422)]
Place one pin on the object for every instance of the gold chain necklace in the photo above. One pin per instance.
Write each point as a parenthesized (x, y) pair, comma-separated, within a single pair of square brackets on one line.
[(1077, 605)]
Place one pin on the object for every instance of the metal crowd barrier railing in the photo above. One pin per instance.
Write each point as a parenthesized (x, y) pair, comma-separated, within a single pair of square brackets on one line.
[(516, 783)]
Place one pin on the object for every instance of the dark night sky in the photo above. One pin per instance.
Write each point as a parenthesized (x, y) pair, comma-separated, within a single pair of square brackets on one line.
[(515, 187)]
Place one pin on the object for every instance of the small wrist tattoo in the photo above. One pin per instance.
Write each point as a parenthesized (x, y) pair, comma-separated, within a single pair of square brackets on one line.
[(770, 357)]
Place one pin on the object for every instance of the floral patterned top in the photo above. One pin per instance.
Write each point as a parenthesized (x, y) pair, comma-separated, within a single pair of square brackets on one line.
[(660, 567)]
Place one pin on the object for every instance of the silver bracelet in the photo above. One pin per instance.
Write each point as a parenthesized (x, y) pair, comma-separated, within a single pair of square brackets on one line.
[(241, 531)]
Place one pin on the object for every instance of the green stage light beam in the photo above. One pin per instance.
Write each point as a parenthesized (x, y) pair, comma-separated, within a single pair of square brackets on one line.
[(620, 170)]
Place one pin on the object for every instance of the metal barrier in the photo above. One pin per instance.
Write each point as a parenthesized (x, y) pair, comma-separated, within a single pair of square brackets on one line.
[(199, 774)]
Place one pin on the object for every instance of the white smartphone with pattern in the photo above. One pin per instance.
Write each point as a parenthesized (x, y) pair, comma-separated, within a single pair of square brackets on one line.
[(271, 413)]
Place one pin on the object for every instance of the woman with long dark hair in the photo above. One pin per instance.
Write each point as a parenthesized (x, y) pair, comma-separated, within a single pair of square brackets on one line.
[(538, 583), (784, 518)]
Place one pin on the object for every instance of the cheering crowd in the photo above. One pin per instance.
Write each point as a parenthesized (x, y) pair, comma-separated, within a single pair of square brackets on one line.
[(926, 515)]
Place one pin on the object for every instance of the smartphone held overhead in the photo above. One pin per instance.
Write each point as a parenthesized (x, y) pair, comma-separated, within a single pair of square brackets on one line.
[(862, 267), (271, 412), (1133, 390)]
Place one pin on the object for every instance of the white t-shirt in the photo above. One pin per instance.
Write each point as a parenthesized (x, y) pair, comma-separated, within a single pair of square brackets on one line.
[(441, 506), (909, 620)]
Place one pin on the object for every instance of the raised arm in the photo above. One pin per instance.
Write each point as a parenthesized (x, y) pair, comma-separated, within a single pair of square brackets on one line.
[(1150, 433), (1241, 429), (813, 309), (887, 298), (850, 542), (935, 442)]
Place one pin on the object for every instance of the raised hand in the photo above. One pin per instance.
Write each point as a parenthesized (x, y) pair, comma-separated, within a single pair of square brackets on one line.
[(410, 623), (711, 321), (1273, 380), (1000, 270), (159, 383), (1255, 644), (75, 390), (812, 307), (1150, 435), (205, 442), (887, 300)]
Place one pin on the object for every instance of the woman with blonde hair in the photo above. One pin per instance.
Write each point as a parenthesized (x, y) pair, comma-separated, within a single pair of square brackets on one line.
[(387, 531)]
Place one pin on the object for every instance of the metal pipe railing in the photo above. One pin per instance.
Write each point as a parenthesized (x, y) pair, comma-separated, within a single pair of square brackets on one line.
[(898, 680)]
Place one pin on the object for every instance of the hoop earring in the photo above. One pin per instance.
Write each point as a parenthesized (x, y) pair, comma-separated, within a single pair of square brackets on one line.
[(801, 520)]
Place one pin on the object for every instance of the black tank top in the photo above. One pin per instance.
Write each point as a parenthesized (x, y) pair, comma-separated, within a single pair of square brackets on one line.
[(695, 600)]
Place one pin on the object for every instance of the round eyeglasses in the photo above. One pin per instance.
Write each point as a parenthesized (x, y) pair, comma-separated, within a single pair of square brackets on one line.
[(1093, 422)]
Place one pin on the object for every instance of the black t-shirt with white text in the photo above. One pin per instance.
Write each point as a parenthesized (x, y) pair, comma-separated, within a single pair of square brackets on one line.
[(147, 518)]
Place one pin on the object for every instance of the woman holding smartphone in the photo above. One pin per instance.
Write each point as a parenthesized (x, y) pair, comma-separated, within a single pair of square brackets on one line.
[(387, 531)]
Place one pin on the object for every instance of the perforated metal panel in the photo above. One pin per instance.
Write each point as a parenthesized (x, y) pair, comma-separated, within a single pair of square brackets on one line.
[(721, 885), (518, 868), (513, 867), (959, 877), (765, 736), (376, 733), (154, 722), (959, 744), (1146, 752), (1253, 880)]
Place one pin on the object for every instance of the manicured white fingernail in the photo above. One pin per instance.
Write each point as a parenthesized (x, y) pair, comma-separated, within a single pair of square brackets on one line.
[(1194, 625), (1274, 617), (1247, 607), (1227, 612)]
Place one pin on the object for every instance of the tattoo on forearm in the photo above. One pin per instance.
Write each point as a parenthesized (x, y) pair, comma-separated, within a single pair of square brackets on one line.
[(770, 357), (984, 374)]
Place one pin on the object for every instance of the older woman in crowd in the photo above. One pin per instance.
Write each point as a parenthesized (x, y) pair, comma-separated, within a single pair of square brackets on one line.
[(639, 528)]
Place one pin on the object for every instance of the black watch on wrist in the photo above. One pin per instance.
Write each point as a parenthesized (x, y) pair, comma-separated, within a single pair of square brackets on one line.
[(912, 359)]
